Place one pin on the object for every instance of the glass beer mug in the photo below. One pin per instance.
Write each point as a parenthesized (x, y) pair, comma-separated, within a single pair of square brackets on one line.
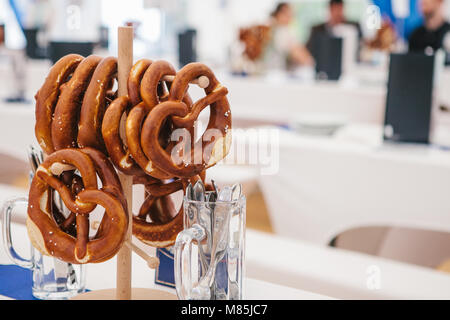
[(214, 237), (52, 278)]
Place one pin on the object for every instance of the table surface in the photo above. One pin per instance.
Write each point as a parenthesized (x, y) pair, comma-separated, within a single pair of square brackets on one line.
[(102, 276), (355, 180)]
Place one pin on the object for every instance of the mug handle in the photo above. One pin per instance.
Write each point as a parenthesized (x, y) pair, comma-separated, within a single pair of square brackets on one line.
[(7, 209), (182, 267)]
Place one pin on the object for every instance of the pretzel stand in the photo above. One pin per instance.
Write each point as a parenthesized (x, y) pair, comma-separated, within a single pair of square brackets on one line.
[(123, 290), (78, 138)]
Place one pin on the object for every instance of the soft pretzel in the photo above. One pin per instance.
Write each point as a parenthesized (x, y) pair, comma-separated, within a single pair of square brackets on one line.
[(255, 39), (77, 107), (150, 97), (47, 97), (160, 233), (157, 208), (118, 153), (130, 159), (45, 234), (75, 184), (64, 127), (214, 148), (135, 78), (95, 103)]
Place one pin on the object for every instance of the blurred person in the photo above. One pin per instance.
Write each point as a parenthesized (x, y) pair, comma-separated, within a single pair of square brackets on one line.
[(336, 17), (433, 33), (284, 49)]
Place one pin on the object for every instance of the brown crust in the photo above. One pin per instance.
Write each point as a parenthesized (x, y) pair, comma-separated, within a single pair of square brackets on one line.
[(47, 97), (135, 78), (113, 142), (64, 127), (94, 105)]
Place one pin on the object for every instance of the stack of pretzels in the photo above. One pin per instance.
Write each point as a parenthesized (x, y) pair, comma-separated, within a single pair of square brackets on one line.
[(79, 125)]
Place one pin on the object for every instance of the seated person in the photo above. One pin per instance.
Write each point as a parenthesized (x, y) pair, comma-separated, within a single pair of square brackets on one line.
[(284, 50), (431, 35), (336, 17)]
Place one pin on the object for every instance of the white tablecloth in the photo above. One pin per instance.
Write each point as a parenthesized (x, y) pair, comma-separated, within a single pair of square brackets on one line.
[(278, 100), (103, 275), (292, 269), (328, 185), (339, 273)]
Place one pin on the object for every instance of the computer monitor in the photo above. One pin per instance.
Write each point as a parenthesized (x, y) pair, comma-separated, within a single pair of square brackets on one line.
[(58, 49), (327, 52), (187, 47), (409, 98)]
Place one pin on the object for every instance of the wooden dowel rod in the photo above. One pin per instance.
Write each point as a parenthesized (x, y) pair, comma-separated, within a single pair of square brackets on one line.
[(202, 81), (125, 63), (152, 262)]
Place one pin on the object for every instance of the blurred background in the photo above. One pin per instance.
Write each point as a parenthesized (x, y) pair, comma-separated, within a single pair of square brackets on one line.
[(347, 103)]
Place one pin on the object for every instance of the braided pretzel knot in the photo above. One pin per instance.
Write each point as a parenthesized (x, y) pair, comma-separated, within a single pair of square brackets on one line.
[(68, 224), (164, 227), (44, 232), (216, 140)]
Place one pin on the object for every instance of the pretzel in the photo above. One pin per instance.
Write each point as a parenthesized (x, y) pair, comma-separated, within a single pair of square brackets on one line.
[(75, 184), (95, 103), (64, 127), (130, 159), (113, 142), (157, 208), (119, 153), (213, 150), (149, 93), (47, 97), (45, 234), (255, 40), (135, 78), (162, 232)]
